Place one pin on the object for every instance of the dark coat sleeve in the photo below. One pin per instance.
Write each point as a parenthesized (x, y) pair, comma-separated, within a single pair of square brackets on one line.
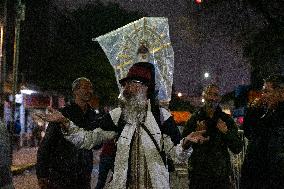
[(247, 125), (46, 150), (190, 125), (232, 138), (251, 120), (106, 123), (170, 129)]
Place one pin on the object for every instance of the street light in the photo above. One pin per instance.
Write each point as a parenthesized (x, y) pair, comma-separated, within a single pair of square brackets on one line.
[(206, 75), (27, 91), (179, 94), (1, 40)]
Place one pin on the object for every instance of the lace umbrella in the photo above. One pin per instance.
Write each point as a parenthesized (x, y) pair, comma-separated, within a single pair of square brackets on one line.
[(121, 47)]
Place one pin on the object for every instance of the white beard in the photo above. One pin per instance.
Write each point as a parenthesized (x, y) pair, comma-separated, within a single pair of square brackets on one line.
[(134, 108)]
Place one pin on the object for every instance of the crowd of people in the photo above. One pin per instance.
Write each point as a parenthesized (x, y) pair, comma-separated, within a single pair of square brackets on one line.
[(142, 131), (140, 139), (141, 142), (135, 134)]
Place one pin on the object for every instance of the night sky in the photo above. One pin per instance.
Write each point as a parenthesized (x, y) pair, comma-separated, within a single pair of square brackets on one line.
[(204, 40)]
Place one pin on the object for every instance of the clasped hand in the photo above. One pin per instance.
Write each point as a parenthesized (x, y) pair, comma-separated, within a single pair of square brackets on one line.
[(194, 137)]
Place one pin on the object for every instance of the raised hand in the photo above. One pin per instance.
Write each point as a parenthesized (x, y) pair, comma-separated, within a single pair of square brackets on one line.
[(221, 126)]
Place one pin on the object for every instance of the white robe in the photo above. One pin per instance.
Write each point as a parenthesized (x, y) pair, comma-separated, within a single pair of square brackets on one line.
[(159, 174)]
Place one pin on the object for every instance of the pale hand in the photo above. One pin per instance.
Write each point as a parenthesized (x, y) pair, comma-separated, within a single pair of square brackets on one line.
[(197, 137), (52, 116), (221, 125), (194, 137)]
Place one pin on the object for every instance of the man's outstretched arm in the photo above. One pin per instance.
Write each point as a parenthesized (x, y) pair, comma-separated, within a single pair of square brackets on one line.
[(87, 139), (78, 136)]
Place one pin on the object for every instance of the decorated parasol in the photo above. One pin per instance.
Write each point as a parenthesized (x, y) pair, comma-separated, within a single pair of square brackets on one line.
[(121, 47)]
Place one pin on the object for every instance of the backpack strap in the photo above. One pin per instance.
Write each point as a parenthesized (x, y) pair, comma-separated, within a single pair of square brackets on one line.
[(161, 152)]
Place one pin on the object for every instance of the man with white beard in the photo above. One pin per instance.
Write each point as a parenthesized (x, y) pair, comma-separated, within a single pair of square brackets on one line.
[(144, 130)]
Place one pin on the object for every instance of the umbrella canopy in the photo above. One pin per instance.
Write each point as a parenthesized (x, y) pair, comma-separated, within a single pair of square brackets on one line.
[(121, 47)]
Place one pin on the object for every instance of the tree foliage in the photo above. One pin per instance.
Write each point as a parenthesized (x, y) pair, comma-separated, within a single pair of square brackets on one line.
[(70, 52), (264, 51), (266, 47)]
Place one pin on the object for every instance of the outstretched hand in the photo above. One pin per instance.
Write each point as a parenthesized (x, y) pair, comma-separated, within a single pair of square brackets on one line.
[(52, 116)]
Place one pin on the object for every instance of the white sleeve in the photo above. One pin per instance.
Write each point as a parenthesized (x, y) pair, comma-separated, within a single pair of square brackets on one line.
[(87, 139), (177, 153), (181, 154)]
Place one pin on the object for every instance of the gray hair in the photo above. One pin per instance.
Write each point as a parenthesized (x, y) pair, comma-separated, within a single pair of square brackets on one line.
[(76, 83)]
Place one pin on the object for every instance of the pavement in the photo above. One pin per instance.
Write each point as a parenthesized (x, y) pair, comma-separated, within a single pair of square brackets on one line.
[(23, 168), (24, 176), (23, 159)]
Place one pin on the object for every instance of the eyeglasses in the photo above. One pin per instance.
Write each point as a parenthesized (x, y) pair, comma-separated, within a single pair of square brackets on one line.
[(133, 82), (136, 81)]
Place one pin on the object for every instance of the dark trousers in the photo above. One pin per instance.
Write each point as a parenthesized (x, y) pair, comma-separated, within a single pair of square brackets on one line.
[(106, 164), (81, 181), (203, 182)]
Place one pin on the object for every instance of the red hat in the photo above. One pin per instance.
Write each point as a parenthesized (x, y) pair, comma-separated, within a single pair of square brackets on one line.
[(141, 71)]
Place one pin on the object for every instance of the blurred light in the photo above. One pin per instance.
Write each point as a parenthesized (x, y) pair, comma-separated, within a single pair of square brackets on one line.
[(198, 1), (27, 91), (227, 111), (19, 98), (206, 74), (179, 94), (1, 40), (240, 120), (203, 100)]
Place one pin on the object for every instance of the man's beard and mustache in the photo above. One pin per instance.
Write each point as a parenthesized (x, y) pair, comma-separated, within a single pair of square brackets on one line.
[(133, 107)]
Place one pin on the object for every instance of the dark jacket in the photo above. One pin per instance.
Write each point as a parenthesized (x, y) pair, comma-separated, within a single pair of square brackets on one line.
[(263, 166), (210, 161), (59, 160)]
